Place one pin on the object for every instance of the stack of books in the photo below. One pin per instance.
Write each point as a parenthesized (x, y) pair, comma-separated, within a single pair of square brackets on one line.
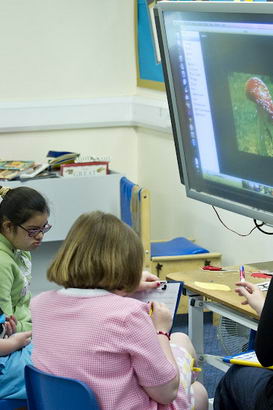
[(57, 158), (52, 167), (13, 169), (59, 163)]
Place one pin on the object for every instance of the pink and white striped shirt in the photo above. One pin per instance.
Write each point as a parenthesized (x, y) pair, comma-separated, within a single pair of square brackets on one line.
[(105, 340)]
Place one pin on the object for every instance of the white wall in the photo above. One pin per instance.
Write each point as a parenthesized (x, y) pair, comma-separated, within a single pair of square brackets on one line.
[(59, 49)]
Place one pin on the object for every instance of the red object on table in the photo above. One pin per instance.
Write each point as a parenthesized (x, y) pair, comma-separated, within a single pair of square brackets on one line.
[(260, 275), (209, 267)]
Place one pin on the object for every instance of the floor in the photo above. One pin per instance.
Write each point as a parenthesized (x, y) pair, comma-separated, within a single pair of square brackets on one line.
[(212, 345)]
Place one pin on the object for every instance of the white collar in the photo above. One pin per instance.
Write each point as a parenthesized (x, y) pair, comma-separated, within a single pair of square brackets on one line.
[(83, 293)]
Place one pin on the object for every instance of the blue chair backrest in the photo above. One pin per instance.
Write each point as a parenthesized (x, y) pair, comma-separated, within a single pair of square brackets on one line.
[(48, 392), (126, 188), (175, 247), (12, 404)]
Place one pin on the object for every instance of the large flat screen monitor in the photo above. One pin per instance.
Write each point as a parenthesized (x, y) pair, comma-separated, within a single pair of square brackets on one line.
[(218, 68)]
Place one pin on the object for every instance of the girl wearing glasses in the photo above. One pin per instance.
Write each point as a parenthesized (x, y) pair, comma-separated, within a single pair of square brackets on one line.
[(23, 222)]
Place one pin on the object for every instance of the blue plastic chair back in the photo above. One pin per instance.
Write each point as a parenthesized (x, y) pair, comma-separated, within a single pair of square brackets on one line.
[(174, 247), (48, 392), (126, 188), (12, 404)]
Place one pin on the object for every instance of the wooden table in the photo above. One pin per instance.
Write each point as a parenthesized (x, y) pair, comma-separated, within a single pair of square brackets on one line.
[(225, 303)]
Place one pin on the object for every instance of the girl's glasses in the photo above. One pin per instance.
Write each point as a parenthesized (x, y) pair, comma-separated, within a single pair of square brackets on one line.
[(35, 231)]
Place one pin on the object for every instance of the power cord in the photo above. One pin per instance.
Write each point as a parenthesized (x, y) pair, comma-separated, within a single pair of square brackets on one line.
[(257, 226)]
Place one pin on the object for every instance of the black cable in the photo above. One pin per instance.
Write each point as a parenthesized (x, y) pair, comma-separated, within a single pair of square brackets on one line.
[(257, 226)]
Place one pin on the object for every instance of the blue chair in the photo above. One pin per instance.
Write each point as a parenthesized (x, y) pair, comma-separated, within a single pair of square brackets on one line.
[(177, 254), (48, 392), (162, 257), (12, 404)]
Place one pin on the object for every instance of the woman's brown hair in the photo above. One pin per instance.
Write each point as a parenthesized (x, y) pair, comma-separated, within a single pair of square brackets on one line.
[(100, 251)]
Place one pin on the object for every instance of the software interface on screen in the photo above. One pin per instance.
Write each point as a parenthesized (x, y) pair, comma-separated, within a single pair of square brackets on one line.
[(225, 75)]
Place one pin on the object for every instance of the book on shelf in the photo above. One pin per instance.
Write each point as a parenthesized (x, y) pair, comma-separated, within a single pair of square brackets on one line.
[(8, 174), (33, 171), (85, 169), (10, 170), (93, 158), (57, 158), (15, 165)]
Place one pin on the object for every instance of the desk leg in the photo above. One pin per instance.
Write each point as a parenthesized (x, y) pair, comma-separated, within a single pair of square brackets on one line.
[(196, 325)]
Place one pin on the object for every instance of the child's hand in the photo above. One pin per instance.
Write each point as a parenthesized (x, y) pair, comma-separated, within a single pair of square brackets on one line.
[(148, 281), (254, 296), (20, 339), (161, 317), (10, 325)]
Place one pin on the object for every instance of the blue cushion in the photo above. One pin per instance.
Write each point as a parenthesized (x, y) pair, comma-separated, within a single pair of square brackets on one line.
[(177, 246)]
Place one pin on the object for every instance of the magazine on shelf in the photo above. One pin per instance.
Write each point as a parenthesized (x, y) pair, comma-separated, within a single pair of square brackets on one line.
[(35, 170), (15, 165), (12, 169)]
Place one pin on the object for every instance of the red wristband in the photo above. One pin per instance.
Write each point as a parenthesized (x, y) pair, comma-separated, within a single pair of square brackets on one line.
[(159, 332)]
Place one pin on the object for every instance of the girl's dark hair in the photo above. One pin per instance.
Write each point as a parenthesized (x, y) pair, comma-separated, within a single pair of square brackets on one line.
[(20, 204)]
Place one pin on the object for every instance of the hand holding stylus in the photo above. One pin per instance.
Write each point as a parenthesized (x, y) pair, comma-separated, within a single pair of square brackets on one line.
[(253, 295)]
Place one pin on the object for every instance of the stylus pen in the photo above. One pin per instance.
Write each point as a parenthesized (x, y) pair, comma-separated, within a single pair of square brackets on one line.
[(197, 369), (242, 274)]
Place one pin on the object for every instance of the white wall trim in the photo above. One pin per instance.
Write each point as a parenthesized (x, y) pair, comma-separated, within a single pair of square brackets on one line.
[(127, 111)]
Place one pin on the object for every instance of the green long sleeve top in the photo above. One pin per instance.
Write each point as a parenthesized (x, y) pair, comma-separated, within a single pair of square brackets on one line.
[(15, 276)]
